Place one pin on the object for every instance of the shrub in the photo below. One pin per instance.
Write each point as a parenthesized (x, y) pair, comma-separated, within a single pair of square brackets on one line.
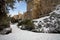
[(13, 20), (4, 23), (28, 24)]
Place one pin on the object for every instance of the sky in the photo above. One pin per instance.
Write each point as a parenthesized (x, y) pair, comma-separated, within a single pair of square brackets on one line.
[(19, 7)]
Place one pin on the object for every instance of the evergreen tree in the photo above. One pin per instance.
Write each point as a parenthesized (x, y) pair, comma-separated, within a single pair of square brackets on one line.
[(4, 9)]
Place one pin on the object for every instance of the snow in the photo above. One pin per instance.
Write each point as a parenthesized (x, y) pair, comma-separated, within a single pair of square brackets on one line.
[(18, 34), (55, 14), (40, 19), (45, 29), (57, 10)]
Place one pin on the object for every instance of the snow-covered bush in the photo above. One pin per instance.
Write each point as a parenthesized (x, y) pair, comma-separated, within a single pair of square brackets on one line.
[(52, 23)]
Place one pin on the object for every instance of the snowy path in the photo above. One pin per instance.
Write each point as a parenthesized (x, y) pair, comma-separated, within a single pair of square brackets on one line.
[(18, 34)]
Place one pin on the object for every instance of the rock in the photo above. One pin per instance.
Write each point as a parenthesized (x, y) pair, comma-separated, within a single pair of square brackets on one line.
[(45, 30), (55, 14), (46, 20), (36, 30), (19, 26), (23, 27), (51, 24), (6, 31)]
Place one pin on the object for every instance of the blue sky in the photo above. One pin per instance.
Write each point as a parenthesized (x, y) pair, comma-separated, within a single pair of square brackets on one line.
[(20, 7)]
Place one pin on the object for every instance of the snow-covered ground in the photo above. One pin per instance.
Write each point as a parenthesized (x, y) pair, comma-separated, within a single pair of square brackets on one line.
[(18, 34)]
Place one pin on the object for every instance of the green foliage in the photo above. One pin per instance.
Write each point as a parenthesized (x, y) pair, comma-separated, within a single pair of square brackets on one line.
[(4, 22), (13, 20), (4, 9), (27, 23), (11, 3)]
